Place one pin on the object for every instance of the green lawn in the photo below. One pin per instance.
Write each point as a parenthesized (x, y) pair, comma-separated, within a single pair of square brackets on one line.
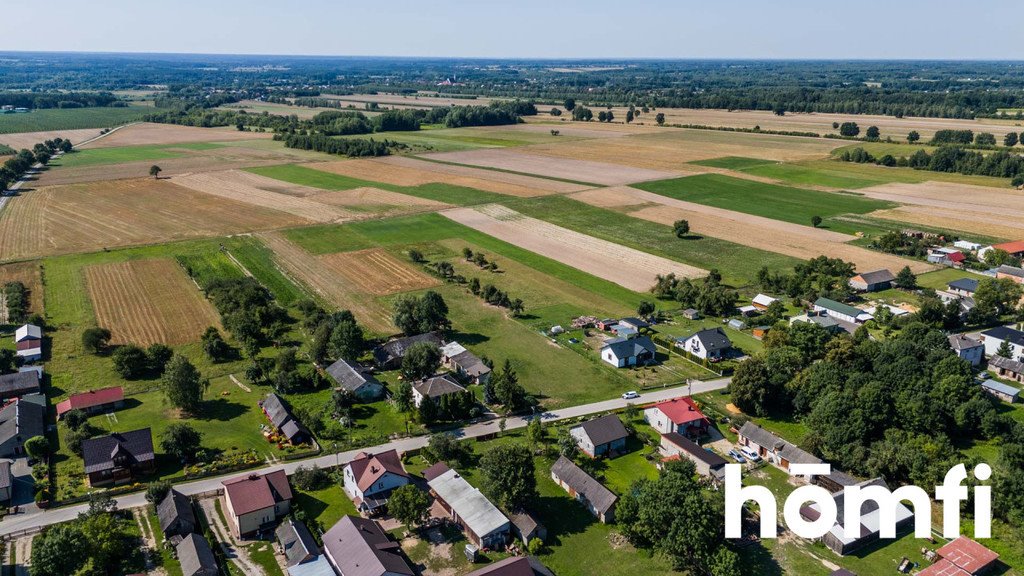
[(262, 553), (784, 203), (734, 162), (838, 174), (939, 278), (325, 506), (121, 154), (69, 119)]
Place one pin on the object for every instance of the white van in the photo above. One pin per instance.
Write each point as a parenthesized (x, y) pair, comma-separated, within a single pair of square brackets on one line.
[(750, 453)]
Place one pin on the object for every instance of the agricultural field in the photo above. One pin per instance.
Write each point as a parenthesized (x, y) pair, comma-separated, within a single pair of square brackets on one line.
[(123, 154), (148, 134), (29, 274), (54, 119), (146, 302), (375, 271)]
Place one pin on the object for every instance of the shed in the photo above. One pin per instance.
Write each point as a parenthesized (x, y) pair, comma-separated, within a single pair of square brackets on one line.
[(599, 500)]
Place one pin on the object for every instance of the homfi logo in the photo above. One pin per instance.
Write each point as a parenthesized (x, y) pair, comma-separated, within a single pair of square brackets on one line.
[(950, 493)]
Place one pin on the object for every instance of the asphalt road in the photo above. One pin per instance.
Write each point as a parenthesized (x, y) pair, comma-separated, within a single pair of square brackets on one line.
[(30, 521)]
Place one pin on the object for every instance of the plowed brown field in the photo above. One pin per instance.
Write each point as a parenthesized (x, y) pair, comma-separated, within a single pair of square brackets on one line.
[(579, 167), (147, 133), (374, 271)]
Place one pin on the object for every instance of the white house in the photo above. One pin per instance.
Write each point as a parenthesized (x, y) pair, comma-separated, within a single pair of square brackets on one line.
[(370, 478), (995, 337), (29, 341), (710, 343), (622, 352), (967, 348), (434, 388)]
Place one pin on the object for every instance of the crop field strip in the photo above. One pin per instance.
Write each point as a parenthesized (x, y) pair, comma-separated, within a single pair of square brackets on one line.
[(145, 133), (29, 274), (145, 302), (503, 182), (374, 271), (63, 120)]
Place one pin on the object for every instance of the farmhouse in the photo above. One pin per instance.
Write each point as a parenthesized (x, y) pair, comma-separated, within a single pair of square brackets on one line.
[(708, 344), (370, 478), (514, 566), (93, 401), (6, 480), (119, 457), (1013, 248), (963, 286), (20, 420), (707, 463), (1004, 392), (962, 557), (1011, 272), (623, 352), (360, 547), (484, 525), (28, 340), (995, 337), (599, 500), (388, 356), (835, 538), (762, 301), (435, 388), (967, 348), (196, 557), (464, 363), (356, 380), (19, 384), (604, 436), (1006, 368), (284, 422), (947, 257), (296, 543), (177, 520), (840, 311), (872, 281), (254, 502), (773, 448), (526, 527), (679, 415)]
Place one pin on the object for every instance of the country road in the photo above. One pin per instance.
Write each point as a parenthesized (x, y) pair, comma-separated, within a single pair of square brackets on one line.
[(18, 522)]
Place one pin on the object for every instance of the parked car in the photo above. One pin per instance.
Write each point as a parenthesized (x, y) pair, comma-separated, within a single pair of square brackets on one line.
[(735, 455), (630, 395), (750, 454)]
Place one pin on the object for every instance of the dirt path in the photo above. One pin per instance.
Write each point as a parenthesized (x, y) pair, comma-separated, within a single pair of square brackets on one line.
[(148, 542), (23, 552), (239, 384), (234, 552)]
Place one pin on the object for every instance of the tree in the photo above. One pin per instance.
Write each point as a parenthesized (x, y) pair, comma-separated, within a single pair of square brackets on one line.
[(445, 447), (311, 478), (421, 360), (872, 133), (508, 476), (347, 341), (905, 279), (536, 432), (645, 308), (155, 171), (157, 357), (403, 398), (507, 389), (214, 346), (567, 445), (570, 104), (428, 411), (582, 114), (681, 228), (555, 112), (629, 116), (985, 139), (602, 116), (38, 447), (183, 385), (659, 118), (59, 550), (181, 441), (416, 255), (409, 505), (913, 136), (849, 129), (1010, 140), (1005, 350), (95, 339), (815, 221), (130, 361), (157, 491), (611, 116)]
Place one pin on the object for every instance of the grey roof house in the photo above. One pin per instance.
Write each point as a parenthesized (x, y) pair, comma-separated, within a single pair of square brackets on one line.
[(707, 343), (389, 355), (118, 457), (482, 522), (20, 420), (196, 557), (176, 516), (19, 384), (356, 380), (872, 281), (283, 420), (622, 352), (360, 547), (599, 500), (434, 388), (600, 436), (297, 544)]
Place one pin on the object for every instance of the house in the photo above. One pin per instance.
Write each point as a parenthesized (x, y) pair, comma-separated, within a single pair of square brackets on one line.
[(93, 401), (356, 380), (773, 448), (707, 344), (284, 422), (19, 384), (20, 420), (388, 356), (622, 352), (872, 281), (1006, 368), (679, 415), (947, 257), (526, 527), (896, 311), (967, 245), (119, 457), (962, 556), (840, 311), (836, 540), (821, 319), (760, 332), (623, 331), (967, 348), (706, 462), (370, 478), (691, 314), (256, 501), (599, 500), (177, 519), (1004, 392), (465, 363), (1013, 248), (196, 557), (296, 543), (6, 481), (514, 566), (1011, 272), (963, 286), (28, 340), (634, 323), (603, 436), (762, 301), (434, 388), (360, 547), (484, 525), (995, 337)]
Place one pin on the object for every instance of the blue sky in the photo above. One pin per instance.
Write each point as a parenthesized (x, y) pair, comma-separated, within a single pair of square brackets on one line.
[(526, 28)]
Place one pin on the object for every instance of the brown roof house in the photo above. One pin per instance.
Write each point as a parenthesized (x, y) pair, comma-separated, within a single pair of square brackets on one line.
[(370, 478), (514, 566), (599, 500), (118, 458), (360, 547), (603, 436), (962, 557), (254, 502), (873, 281), (177, 519)]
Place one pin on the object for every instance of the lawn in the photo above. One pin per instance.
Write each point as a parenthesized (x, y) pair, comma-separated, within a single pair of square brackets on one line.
[(784, 203), (70, 119), (734, 162), (121, 154), (939, 278), (325, 506), (262, 554)]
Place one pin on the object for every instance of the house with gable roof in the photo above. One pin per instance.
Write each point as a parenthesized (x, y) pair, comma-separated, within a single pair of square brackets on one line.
[(370, 478)]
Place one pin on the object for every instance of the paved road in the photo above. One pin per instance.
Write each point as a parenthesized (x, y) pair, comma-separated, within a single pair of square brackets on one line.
[(19, 522)]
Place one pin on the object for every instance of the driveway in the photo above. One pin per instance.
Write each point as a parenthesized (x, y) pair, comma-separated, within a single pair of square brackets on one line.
[(24, 492)]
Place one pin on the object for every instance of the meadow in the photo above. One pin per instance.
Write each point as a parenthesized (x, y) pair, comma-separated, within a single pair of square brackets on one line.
[(121, 154), (69, 119)]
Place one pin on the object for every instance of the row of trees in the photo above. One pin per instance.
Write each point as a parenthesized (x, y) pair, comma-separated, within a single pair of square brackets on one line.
[(15, 296), (351, 147), (16, 166), (707, 295), (1000, 164)]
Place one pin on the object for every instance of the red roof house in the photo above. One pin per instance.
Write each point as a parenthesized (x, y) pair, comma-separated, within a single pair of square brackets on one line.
[(93, 400), (256, 501), (680, 415), (1016, 248), (370, 478), (961, 557)]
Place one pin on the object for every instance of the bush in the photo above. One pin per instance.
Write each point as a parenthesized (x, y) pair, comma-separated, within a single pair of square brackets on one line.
[(314, 478), (130, 361)]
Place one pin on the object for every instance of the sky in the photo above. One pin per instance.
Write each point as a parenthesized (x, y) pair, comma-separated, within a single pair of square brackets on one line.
[(780, 29)]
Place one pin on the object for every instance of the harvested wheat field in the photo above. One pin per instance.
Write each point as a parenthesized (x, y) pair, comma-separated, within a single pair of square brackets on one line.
[(961, 220), (1000, 202), (624, 266), (93, 216), (568, 168), (29, 274), (21, 140), (149, 133), (146, 302), (375, 271), (488, 180), (327, 283), (376, 202), (257, 190)]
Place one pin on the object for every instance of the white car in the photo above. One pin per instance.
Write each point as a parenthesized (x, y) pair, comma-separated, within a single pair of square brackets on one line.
[(750, 453), (630, 395)]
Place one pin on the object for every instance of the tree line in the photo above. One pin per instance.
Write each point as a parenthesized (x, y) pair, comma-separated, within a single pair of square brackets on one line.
[(955, 159)]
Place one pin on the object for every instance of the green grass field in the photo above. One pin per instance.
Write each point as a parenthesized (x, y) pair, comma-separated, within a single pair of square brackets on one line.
[(258, 261), (121, 154), (849, 175), (69, 119), (734, 162), (769, 200)]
